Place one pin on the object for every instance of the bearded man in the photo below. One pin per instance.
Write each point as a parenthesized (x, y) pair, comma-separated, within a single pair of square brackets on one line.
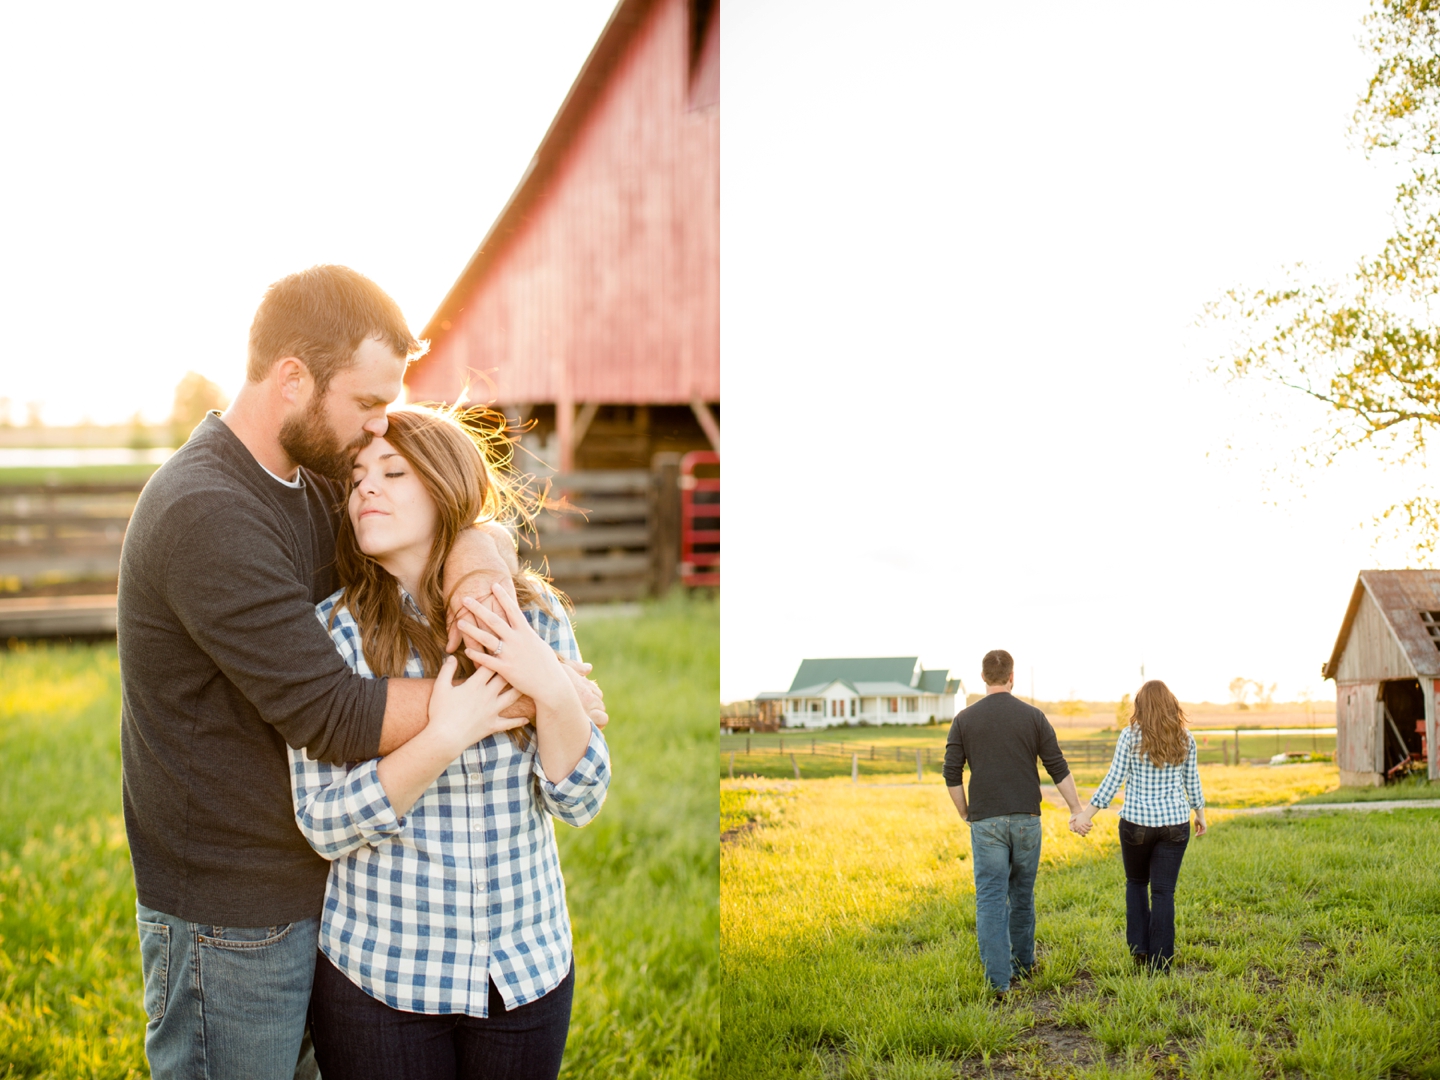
[(223, 663)]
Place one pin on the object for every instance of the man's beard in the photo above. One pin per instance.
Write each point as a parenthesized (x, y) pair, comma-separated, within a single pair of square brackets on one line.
[(310, 442)]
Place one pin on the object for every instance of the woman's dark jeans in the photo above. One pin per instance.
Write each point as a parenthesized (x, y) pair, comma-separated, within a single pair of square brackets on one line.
[(1152, 855), (359, 1038)]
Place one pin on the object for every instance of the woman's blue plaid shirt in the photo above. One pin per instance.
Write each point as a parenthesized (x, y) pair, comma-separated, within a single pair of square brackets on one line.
[(1162, 795), (421, 912)]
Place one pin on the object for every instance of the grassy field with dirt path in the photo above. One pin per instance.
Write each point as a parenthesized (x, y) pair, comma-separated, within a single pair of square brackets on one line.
[(1307, 946)]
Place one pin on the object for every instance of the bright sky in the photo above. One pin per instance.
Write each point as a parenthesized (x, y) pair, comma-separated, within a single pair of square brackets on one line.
[(966, 405), (167, 161)]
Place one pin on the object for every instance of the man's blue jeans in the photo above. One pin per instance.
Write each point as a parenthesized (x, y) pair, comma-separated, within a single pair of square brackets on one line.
[(1006, 853), (224, 1002)]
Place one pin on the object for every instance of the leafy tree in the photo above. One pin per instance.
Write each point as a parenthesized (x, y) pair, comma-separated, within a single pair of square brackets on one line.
[(1264, 695), (1367, 345), (194, 397), (1122, 713), (1239, 691)]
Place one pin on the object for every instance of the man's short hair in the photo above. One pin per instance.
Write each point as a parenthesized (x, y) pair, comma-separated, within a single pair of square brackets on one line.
[(997, 667), (321, 316)]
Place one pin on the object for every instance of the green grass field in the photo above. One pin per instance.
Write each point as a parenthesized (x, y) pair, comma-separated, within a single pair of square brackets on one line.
[(642, 879), (78, 474), (1306, 946)]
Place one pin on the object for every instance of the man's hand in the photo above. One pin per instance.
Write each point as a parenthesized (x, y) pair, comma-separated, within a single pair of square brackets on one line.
[(481, 557), (1079, 824), (957, 796), (592, 698)]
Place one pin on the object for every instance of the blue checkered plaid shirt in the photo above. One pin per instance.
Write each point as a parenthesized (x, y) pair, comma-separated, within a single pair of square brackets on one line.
[(421, 912), (1162, 795)]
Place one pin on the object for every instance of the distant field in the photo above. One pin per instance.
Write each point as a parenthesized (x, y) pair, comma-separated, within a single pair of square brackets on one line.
[(80, 474), (1307, 947)]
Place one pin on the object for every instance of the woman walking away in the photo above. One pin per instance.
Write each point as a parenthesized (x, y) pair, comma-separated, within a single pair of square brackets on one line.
[(1156, 760)]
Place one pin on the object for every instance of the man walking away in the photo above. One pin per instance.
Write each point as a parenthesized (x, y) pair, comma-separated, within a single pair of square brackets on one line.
[(1000, 737)]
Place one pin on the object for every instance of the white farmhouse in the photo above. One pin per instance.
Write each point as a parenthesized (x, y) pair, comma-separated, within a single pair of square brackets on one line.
[(877, 690)]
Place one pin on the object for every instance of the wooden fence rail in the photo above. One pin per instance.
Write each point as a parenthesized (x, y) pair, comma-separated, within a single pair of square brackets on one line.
[(621, 542), (1076, 751)]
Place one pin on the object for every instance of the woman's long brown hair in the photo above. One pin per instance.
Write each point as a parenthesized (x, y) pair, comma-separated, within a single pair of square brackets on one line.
[(1163, 738), (465, 467)]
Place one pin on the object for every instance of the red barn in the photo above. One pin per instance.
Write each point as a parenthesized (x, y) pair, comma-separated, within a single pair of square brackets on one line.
[(592, 307)]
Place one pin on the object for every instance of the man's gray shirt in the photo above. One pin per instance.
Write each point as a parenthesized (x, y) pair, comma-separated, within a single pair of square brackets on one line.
[(222, 663), (1000, 737)]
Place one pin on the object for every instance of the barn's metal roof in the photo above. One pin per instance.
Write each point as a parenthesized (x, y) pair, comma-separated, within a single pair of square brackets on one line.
[(1402, 596), (568, 122)]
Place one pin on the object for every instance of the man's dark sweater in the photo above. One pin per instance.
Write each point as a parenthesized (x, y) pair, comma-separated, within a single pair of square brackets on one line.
[(223, 662), (1000, 737)]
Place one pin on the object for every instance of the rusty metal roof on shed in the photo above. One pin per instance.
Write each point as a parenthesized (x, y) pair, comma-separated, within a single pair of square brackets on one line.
[(1401, 595)]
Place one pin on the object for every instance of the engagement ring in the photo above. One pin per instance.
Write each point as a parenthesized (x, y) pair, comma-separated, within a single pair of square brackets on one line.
[(499, 648)]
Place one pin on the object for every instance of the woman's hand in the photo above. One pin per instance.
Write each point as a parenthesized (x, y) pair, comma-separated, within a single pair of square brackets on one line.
[(510, 648), (461, 714), (1200, 825), (1080, 823), (507, 645)]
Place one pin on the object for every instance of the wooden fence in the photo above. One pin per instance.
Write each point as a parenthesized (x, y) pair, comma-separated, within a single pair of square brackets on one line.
[(621, 543), (58, 532), (1077, 752), (1224, 749)]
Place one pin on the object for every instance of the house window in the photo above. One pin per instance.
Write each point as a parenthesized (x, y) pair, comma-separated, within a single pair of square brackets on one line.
[(912, 704), (853, 702), (816, 706), (892, 704), (1431, 619)]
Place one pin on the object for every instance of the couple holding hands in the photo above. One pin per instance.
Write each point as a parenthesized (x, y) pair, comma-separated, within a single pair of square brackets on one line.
[(999, 738)]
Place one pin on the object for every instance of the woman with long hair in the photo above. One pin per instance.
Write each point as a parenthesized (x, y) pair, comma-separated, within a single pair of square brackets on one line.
[(1157, 762), (445, 946)]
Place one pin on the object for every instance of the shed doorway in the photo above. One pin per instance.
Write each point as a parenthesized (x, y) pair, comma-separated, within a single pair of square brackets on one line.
[(1403, 715)]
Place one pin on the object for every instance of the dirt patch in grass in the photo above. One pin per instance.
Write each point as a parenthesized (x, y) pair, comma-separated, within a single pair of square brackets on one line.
[(1054, 1043), (735, 832)]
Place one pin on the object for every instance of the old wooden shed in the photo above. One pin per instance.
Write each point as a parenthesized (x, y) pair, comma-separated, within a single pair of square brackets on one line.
[(592, 307), (1386, 667)]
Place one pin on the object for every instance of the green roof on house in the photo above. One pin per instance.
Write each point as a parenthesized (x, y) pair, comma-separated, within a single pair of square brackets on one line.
[(934, 680), (897, 669)]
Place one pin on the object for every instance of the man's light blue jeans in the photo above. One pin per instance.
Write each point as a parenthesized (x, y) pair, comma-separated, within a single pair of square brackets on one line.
[(224, 1002), (1006, 853)]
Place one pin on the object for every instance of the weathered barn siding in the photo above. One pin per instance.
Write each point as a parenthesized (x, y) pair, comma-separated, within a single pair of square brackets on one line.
[(1429, 687), (606, 287), (1359, 743), (1372, 651)]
